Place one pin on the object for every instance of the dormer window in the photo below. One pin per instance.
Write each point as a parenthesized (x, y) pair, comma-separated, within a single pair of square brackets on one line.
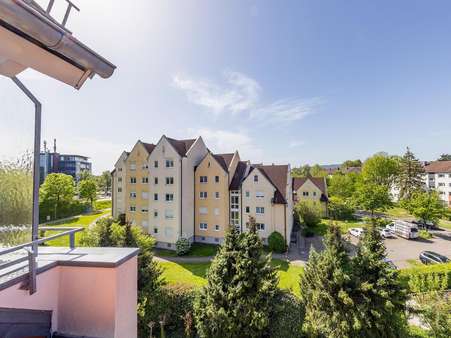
[(255, 178)]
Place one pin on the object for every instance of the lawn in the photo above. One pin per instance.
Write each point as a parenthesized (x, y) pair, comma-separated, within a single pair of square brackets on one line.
[(78, 221), (321, 229), (193, 274), (197, 250)]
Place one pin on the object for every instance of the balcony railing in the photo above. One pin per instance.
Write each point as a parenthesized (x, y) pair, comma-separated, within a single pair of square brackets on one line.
[(31, 249)]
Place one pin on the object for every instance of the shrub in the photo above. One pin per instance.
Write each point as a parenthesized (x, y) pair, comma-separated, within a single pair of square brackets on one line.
[(67, 209), (340, 209), (104, 204), (309, 213), (424, 234), (427, 278), (308, 232), (287, 316), (182, 246), (276, 242), (379, 222)]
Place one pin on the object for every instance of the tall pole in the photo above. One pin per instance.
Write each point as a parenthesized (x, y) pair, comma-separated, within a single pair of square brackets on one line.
[(36, 160)]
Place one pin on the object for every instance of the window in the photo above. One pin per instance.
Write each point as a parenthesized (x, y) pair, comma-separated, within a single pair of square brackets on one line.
[(133, 194), (119, 179), (132, 208), (441, 175), (255, 178), (248, 209), (144, 209), (203, 210), (145, 180), (169, 163), (169, 180), (216, 227), (216, 211), (119, 169), (169, 197), (169, 214), (217, 179), (235, 218), (145, 195), (234, 201), (132, 180), (155, 164), (248, 194), (155, 180), (441, 184), (260, 226), (259, 194), (203, 194), (155, 230), (217, 194), (168, 232), (145, 166), (133, 166), (155, 213), (203, 226), (119, 189), (260, 210), (203, 179), (217, 240), (155, 197), (314, 193), (305, 193)]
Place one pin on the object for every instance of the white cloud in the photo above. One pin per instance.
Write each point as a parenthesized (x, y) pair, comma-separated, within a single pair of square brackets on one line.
[(224, 141), (296, 143), (242, 94)]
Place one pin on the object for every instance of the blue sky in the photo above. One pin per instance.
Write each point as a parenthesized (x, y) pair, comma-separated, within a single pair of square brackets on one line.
[(281, 81)]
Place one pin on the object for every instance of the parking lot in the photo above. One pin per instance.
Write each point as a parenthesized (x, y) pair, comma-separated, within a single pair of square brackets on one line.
[(401, 250)]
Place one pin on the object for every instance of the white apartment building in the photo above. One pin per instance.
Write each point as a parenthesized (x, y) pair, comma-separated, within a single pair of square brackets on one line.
[(118, 178), (438, 177)]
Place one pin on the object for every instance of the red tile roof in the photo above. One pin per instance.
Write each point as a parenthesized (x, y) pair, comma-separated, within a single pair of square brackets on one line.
[(320, 182), (438, 167), (227, 158), (149, 147), (239, 176), (181, 146), (277, 175)]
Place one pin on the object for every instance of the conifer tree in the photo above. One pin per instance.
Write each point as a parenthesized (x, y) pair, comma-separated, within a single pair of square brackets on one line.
[(410, 178), (326, 288), (238, 298), (378, 296)]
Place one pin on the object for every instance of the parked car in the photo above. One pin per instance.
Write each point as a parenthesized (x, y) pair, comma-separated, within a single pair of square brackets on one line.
[(357, 232), (403, 229), (387, 233), (427, 225), (430, 257)]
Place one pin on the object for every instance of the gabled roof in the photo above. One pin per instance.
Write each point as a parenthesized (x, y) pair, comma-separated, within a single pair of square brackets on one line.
[(181, 146), (149, 147), (320, 182), (224, 160), (438, 167), (277, 175), (239, 176)]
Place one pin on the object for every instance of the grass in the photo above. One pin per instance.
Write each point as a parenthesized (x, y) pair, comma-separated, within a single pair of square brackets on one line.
[(321, 228), (194, 274), (197, 250), (103, 204), (424, 234), (79, 221)]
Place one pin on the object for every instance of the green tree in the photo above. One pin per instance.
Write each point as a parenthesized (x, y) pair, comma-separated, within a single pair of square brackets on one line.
[(380, 169), (326, 285), (378, 295), (340, 209), (425, 205), (343, 185), (84, 175), (351, 163), (104, 181), (318, 171), (56, 190), (410, 177), (309, 213), (88, 190), (372, 197), (445, 157), (302, 171), (434, 308), (238, 298)]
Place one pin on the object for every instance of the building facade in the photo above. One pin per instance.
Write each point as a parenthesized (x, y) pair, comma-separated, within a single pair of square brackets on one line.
[(179, 189), (313, 189), (438, 177)]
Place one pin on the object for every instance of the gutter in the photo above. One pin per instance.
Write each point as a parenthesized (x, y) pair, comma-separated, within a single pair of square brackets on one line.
[(18, 16)]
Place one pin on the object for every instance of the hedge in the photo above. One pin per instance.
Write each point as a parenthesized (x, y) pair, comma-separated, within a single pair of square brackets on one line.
[(427, 278)]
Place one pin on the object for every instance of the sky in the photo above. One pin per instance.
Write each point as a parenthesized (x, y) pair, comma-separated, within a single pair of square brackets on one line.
[(280, 81)]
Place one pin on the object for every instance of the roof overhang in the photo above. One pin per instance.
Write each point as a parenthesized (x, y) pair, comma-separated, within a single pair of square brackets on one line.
[(31, 39)]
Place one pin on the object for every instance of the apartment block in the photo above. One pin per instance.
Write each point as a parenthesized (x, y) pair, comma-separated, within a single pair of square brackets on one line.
[(438, 177), (313, 189), (179, 188)]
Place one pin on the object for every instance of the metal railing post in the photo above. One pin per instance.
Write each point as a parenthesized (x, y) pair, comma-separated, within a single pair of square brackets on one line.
[(72, 240), (31, 271), (36, 160)]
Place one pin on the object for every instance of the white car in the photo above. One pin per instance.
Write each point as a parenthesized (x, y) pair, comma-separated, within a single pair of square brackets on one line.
[(357, 232), (387, 233), (390, 227)]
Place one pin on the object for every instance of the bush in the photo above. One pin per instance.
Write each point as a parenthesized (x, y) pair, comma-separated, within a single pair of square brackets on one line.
[(101, 205), (424, 234), (308, 232), (182, 246), (340, 209), (309, 213), (379, 222), (69, 209), (427, 278), (287, 316), (276, 242)]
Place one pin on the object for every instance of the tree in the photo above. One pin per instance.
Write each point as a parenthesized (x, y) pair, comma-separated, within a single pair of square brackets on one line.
[(434, 309), (302, 171), (372, 197), (378, 295), (351, 163), (238, 298), (445, 157), (84, 175), (340, 209), (410, 178), (326, 285), (343, 185), (88, 190), (426, 205), (56, 190), (309, 213), (380, 169), (318, 171), (104, 182)]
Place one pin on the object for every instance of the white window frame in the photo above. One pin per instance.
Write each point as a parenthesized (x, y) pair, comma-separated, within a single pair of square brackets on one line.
[(203, 211), (203, 179), (169, 163), (169, 200), (203, 226), (203, 195), (217, 227), (260, 210), (217, 195), (169, 180), (259, 194)]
